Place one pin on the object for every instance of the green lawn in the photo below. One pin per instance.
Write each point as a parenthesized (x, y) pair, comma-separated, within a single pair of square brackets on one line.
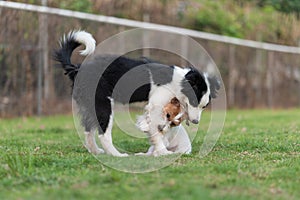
[(256, 157)]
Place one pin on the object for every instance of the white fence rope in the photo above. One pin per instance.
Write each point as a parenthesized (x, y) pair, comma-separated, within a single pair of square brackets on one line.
[(138, 24)]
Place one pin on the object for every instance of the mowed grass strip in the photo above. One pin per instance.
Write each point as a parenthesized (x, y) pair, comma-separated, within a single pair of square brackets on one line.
[(256, 157)]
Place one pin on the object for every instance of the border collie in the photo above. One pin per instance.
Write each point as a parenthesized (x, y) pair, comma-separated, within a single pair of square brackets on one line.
[(125, 80)]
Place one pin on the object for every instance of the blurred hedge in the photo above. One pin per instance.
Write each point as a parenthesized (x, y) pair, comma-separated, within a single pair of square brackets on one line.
[(275, 21)]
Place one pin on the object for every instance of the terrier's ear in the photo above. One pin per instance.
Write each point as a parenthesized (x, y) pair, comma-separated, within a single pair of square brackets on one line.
[(175, 101)]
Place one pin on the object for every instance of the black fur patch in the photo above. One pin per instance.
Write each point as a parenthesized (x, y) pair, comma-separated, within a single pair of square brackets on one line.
[(63, 55), (123, 79), (194, 86)]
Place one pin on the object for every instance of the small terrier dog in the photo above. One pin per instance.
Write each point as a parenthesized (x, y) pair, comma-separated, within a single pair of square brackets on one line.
[(175, 137), (171, 113)]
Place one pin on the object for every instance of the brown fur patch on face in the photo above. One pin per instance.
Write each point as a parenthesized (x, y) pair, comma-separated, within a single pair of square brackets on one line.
[(171, 110)]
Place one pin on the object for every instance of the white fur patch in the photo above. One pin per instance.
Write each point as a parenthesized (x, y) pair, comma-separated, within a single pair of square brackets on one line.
[(106, 138), (176, 140), (142, 123), (87, 40), (205, 98)]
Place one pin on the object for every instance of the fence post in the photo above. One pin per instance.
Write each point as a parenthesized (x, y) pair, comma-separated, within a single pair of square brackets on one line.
[(121, 39), (257, 78), (146, 51), (45, 51), (231, 77), (184, 50), (43, 61), (269, 79)]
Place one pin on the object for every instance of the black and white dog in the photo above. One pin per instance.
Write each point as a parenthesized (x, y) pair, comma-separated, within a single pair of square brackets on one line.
[(126, 80)]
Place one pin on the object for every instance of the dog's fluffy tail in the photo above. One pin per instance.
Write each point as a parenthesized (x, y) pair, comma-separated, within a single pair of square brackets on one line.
[(68, 44)]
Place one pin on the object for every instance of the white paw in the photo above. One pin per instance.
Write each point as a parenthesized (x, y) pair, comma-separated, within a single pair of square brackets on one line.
[(161, 152), (120, 155), (94, 150), (142, 154)]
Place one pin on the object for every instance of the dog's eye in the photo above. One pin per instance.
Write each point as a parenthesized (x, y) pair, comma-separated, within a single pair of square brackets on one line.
[(168, 115)]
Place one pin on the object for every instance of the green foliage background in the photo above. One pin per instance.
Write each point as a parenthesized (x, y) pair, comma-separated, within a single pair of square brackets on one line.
[(273, 21)]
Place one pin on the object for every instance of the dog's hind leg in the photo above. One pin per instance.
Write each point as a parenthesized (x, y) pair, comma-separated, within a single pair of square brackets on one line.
[(90, 143), (106, 125), (106, 141)]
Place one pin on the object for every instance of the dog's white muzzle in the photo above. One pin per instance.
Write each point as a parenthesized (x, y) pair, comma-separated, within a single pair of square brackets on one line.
[(194, 114)]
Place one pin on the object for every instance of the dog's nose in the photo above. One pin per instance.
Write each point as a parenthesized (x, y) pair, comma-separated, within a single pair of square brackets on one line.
[(195, 121)]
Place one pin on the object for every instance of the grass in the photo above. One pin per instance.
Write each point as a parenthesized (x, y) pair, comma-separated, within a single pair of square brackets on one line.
[(256, 157)]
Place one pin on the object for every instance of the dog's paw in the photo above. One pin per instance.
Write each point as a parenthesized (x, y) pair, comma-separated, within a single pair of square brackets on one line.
[(142, 154), (161, 152), (142, 123), (161, 128), (96, 151), (120, 155)]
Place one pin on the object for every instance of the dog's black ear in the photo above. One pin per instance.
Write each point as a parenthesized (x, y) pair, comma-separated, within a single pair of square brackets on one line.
[(192, 77), (215, 85)]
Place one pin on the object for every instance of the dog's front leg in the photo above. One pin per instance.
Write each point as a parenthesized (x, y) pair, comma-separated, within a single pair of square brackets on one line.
[(155, 136), (159, 147)]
